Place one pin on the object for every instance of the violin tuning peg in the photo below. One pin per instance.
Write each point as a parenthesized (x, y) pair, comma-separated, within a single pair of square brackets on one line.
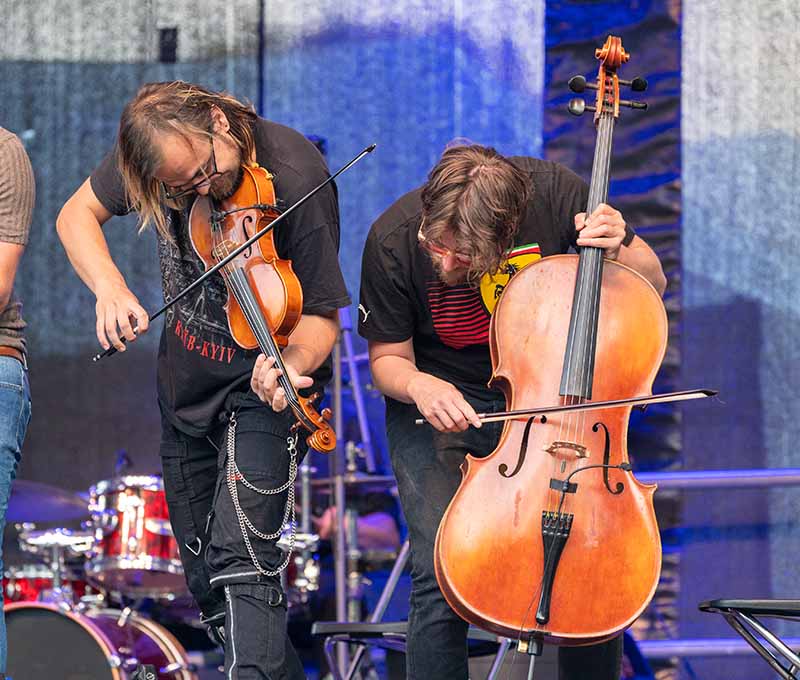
[(638, 84), (633, 105), (577, 106), (579, 84)]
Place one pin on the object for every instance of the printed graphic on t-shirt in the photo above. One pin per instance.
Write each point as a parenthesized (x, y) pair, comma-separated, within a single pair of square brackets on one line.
[(461, 313), (518, 258), (198, 320)]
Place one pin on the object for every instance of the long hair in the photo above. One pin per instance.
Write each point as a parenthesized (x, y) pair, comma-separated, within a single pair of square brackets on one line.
[(177, 108), (479, 196)]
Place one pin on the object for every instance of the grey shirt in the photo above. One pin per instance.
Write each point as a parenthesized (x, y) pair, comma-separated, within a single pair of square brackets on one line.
[(17, 195)]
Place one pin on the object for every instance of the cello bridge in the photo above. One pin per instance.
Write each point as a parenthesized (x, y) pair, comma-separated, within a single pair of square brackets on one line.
[(564, 447)]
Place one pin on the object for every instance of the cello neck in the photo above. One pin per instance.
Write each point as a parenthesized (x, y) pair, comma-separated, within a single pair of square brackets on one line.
[(578, 367)]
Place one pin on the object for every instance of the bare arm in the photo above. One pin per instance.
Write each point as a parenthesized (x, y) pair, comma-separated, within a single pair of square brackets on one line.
[(79, 227), (396, 375), (10, 255), (641, 258)]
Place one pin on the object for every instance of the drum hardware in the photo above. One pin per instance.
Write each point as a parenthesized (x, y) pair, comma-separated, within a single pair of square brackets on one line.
[(346, 343), (355, 582), (366, 483), (54, 582)]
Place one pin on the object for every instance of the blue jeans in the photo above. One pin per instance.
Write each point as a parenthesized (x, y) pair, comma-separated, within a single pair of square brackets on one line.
[(426, 465), (15, 412)]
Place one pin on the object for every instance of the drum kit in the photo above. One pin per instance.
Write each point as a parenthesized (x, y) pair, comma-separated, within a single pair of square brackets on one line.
[(72, 610), (87, 590)]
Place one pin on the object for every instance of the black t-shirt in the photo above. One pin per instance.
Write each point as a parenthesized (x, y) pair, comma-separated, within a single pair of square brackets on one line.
[(199, 364), (402, 297)]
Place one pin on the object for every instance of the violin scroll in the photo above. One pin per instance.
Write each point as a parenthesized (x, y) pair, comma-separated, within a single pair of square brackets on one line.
[(612, 55)]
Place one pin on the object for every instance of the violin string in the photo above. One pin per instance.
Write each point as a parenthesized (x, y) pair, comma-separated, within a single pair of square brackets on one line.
[(266, 342), (240, 287)]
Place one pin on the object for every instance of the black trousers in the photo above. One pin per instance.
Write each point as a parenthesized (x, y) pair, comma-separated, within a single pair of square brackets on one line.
[(218, 567), (426, 464)]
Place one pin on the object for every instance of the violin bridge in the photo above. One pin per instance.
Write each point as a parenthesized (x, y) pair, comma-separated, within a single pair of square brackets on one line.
[(558, 447)]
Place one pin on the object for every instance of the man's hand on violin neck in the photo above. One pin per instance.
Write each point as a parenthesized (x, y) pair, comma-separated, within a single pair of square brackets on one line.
[(604, 228), (265, 382), (441, 404), (119, 315)]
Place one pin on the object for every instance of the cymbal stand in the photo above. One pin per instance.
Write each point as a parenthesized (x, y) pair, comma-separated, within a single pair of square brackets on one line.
[(354, 578), (337, 468), (346, 335), (348, 579), (58, 594)]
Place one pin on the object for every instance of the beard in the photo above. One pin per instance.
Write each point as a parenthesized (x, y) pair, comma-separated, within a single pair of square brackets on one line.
[(225, 186), (453, 277)]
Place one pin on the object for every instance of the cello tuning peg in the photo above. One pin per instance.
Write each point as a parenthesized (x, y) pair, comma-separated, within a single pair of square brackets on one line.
[(633, 105), (638, 84), (579, 84), (577, 106)]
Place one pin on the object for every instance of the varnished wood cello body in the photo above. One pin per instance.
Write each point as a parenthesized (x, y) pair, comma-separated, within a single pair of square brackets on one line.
[(551, 536)]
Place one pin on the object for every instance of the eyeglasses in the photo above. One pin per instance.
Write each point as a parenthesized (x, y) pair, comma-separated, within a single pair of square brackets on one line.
[(174, 193), (441, 251)]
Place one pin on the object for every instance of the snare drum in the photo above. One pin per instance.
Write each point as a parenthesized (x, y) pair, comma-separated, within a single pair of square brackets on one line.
[(136, 553), (45, 641)]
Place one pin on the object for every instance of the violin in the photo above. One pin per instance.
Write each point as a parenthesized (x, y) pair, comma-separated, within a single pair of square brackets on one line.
[(550, 537), (265, 299)]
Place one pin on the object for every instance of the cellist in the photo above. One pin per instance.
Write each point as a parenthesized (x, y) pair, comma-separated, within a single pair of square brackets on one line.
[(433, 268), (176, 141)]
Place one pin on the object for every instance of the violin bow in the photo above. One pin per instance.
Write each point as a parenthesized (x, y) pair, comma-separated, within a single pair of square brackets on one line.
[(249, 242)]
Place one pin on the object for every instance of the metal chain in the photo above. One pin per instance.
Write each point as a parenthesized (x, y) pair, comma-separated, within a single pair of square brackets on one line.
[(233, 474)]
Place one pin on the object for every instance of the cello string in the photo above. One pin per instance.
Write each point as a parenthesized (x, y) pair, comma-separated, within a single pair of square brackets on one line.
[(591, 280), (587, 279), (609, 126), (595, 259)]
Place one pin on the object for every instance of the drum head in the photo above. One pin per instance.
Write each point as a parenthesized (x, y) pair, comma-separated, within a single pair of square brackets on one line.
[(45, 643)]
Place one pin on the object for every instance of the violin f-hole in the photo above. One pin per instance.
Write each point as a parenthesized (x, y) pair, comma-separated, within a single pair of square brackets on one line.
[(523, 450), (606, 458)]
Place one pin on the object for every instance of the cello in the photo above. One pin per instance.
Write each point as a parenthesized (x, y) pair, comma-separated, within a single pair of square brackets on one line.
[(550, 537)]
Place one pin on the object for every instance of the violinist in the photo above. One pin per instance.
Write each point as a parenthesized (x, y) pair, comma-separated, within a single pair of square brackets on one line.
[(434, 265), (177, 141)]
